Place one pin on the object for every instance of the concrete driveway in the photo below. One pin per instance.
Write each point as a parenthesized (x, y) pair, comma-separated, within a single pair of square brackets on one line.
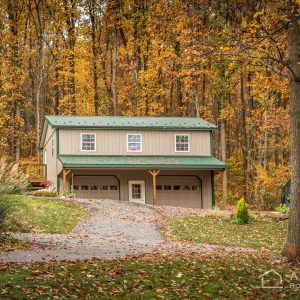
[(113, 229)]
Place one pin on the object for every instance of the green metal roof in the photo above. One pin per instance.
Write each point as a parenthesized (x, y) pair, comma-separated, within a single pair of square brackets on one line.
[(120, 122), (173, 162)]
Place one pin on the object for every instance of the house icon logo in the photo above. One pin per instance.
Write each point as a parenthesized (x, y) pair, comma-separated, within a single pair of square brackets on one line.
[(271, 280)]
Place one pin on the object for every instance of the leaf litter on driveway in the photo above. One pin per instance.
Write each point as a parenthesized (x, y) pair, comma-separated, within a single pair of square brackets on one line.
[(114, 229)]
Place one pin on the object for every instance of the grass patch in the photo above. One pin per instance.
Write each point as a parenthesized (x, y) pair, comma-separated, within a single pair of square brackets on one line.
[(41, 215), (152, 278), (209, 229), (11, 244)]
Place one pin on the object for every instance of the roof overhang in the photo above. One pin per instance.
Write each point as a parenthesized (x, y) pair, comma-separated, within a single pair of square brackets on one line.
[(43, 134), (142, 162)]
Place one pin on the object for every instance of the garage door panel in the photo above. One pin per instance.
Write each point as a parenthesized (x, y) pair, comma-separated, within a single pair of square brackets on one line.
[(96, 187), (182, 191)]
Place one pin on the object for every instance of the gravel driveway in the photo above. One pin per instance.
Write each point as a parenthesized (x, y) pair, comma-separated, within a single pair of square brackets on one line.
[(113, 229)]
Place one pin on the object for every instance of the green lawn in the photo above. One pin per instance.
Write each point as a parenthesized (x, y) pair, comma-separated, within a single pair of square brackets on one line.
[(41, 215), (259, 233), (153, 278)]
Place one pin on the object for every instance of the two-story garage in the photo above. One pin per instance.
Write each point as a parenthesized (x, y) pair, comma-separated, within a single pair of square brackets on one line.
[(153, 160)]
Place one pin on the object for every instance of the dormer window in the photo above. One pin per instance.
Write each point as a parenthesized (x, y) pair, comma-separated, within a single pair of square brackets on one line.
[(88, 142), (182, 143), (134, 142)]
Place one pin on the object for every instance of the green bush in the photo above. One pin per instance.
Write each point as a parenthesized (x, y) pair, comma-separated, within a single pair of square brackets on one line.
[(11, 180), (237, 221), (242, 214), (283, 209)]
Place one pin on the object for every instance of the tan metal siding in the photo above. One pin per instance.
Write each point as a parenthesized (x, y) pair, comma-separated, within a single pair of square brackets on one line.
[(130, 175), (102, 187), (113, 142), (179, 197), (51, 159)]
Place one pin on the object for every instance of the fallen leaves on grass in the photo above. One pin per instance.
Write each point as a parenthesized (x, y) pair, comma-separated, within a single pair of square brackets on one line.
[(175, 277), (259, 233), (11, 244)]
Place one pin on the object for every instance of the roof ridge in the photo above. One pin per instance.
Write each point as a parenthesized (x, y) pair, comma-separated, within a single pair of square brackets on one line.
[(119, 122)]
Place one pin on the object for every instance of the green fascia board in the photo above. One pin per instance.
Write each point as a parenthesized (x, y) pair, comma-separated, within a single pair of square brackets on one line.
[(122, 122), (174, 162)]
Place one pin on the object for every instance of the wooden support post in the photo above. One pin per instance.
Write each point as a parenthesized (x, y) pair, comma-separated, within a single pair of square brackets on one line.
[(65, 174), (224, 190), (154, 174)]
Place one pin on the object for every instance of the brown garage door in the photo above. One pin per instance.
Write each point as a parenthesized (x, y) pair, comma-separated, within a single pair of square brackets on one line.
[(183, 191), (96, 187)]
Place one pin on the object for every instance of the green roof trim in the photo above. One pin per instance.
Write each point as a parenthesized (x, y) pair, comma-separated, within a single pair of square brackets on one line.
[(122, 122), (168, 162)]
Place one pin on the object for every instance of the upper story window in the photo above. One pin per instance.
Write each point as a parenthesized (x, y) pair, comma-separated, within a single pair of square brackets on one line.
[(134, 143), (88, 142), (182, 143)]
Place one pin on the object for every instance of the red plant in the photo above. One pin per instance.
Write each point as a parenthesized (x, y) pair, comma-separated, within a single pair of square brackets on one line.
[(46, 183)]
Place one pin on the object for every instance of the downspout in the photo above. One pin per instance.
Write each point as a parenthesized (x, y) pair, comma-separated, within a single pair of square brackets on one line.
[(212, 189), (57, 157)]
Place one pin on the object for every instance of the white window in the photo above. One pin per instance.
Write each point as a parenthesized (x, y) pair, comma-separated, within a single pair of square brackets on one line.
[(88, 142), (134, 143), (182, 143)]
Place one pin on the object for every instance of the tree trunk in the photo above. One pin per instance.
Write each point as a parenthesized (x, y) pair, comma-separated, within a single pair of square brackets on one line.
[(40, 76), (114, 73), (249, 128), (14, 74), (224, 159), (136, 53), (292, 245), (244, 132), (70, 12), (95, 56), (265, 149), (203, 89), (196, 95)]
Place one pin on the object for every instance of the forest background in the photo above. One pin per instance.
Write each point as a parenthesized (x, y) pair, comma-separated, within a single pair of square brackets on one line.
[(223, 61)]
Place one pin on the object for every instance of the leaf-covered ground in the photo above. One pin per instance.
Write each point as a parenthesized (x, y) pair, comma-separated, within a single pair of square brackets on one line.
[(259, 233), (41, 215), (191, 277), (11, 244)]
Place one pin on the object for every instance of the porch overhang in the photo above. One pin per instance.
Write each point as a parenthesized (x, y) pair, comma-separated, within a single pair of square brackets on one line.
[(142, 162)]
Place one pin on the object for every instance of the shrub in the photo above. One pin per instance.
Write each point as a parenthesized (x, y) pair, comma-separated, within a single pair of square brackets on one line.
[(242, 214), (11, 180), (72, 192), (283, 209)]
